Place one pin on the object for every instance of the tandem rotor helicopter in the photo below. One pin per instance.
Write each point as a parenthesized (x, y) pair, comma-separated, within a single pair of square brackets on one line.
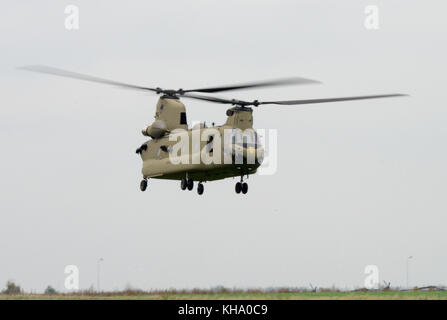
[(170, 117)]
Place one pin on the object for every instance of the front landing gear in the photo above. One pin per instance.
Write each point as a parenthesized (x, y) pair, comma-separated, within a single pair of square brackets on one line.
[(238, 187), (143, 185), (244, 188), (241, 187)]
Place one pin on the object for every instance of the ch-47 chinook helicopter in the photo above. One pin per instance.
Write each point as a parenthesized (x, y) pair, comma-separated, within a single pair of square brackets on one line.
[(170, 119)]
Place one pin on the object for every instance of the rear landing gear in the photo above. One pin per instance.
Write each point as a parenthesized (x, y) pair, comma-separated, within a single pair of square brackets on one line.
[(190, 184), (143, 185), (186, 183), (200, 188)]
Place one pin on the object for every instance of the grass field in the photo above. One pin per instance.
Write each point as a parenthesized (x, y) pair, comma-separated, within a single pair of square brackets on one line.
[(329, 295)]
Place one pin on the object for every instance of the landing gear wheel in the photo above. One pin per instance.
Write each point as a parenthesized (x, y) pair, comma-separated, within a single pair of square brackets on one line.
[(200, 188), (244, 188), (184, 184), (190, 184), (143, 185), (238, 187)]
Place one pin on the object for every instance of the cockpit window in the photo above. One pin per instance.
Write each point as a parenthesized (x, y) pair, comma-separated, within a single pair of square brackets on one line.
[(163, 151)]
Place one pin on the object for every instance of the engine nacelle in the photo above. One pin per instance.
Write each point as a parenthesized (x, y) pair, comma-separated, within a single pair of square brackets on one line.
[(156, 130)]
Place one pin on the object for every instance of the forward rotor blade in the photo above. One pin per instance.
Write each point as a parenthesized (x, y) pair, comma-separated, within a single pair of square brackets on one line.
[(310, 101), (260, 84), (211, 99), (79, 76)]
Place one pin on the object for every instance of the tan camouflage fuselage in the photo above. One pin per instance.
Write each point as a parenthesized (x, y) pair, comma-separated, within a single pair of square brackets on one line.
[(157, 157)]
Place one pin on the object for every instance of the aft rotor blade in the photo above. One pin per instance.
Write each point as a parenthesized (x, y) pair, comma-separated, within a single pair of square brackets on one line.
[(310, 101), (79, 76), (288, 102), (259, 84)]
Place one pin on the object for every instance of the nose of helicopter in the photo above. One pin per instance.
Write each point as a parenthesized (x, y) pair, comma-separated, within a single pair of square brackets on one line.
[(259, 154), (250, 153)]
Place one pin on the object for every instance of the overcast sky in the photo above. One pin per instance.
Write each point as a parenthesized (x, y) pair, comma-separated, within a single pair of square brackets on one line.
[(358, 183)]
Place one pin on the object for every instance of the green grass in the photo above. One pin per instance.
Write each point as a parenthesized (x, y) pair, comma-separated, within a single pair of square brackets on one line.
[(325, 295)]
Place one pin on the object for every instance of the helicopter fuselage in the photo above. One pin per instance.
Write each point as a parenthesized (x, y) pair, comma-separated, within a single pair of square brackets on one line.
[(203, 155)]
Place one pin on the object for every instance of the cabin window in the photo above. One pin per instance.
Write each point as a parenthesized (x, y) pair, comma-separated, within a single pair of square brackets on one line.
[(183, 118), (161, 152)]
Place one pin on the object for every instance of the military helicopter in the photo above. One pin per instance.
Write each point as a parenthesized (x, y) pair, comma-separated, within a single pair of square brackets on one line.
[(171, 123)]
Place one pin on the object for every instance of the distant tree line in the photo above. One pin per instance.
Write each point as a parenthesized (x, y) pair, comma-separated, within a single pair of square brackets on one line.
[(13, 288)]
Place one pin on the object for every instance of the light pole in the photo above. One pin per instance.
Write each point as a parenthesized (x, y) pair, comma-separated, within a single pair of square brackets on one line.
[(408, 262), (98, 270)]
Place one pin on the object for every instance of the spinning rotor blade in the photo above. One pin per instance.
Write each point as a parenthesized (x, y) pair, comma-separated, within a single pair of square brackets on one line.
[(79, 76), (186, 93), (310, 101), (213, 99), (289, 102), (258, 84)]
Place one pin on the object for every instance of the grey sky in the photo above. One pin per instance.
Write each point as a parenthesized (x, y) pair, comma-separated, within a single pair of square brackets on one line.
[(358, 183)]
